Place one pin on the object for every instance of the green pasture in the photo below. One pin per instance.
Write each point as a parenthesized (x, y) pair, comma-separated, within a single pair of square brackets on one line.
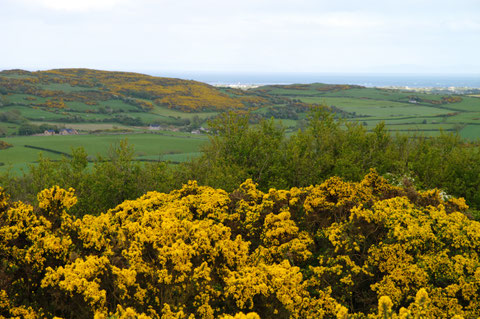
[(22, 99), (356, 93), (377, 108), (465, 117), (166, 112), (79, 106), (371, 93), (372, 105), (92, 117), (19, 157), (471, 132), (421, 127), (409, 127), (173, 157), (149, 118), (396, 121), (382, 94), (37, 114), (468, 104), (9, 128), (117, 105), (146, 145)]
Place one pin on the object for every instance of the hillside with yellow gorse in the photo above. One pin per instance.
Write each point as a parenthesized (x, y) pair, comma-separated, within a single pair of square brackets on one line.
[(91, 87)]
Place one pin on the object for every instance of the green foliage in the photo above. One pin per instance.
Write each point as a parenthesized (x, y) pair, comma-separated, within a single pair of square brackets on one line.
[(332, 147), (237, 151), (30, 129)]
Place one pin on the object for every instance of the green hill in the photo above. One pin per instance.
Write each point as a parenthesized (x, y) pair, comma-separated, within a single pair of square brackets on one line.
[(62, 87)]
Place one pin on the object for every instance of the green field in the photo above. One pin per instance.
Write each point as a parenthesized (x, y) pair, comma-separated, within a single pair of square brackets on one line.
[(34, 114), (23, 98), (116, 105), (161, 146), (471, 132), (402, 111), (378, 108)]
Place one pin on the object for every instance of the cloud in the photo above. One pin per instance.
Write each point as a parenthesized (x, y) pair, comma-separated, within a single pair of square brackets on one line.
[(275, 35), (465, 25), (76, 5)]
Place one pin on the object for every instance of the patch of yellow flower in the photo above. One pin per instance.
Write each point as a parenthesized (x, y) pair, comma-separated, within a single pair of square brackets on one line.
[(338, 249)]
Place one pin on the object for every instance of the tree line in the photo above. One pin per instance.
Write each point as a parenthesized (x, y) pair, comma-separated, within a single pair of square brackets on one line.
[(325, 147)]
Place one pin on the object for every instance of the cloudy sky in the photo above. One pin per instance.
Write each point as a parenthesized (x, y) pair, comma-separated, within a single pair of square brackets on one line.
[(352, 36)]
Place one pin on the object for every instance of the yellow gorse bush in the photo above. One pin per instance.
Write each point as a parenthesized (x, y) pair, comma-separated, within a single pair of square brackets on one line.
[(335, 250)]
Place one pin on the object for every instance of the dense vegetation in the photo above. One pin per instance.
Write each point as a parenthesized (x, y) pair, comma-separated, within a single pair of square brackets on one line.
[(343, 249), (329, 147), (238, 151)]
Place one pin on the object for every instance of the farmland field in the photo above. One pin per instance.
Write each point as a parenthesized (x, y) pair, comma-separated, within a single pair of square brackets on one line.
[(471, 132), (402, 111), (166, 146)]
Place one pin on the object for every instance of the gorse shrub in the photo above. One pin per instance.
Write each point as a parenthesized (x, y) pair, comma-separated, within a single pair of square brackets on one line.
[(338, 249)]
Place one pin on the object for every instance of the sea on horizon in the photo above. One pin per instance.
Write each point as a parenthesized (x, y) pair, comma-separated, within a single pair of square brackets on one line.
[(368, 80)]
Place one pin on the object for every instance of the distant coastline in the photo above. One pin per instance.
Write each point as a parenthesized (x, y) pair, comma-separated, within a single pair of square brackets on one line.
[(369, 80)]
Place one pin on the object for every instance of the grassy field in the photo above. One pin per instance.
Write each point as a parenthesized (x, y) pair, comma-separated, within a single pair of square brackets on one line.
[(163, 145), (402, 111), (9, 128), (377, 108), (471, 132), (23, 98), (34, 114), (115, 105)]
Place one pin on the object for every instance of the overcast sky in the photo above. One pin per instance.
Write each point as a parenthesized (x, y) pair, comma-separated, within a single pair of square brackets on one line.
[(354, 36)]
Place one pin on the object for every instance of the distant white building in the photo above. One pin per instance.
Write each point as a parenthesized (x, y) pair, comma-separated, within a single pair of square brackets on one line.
[(154, 127)]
